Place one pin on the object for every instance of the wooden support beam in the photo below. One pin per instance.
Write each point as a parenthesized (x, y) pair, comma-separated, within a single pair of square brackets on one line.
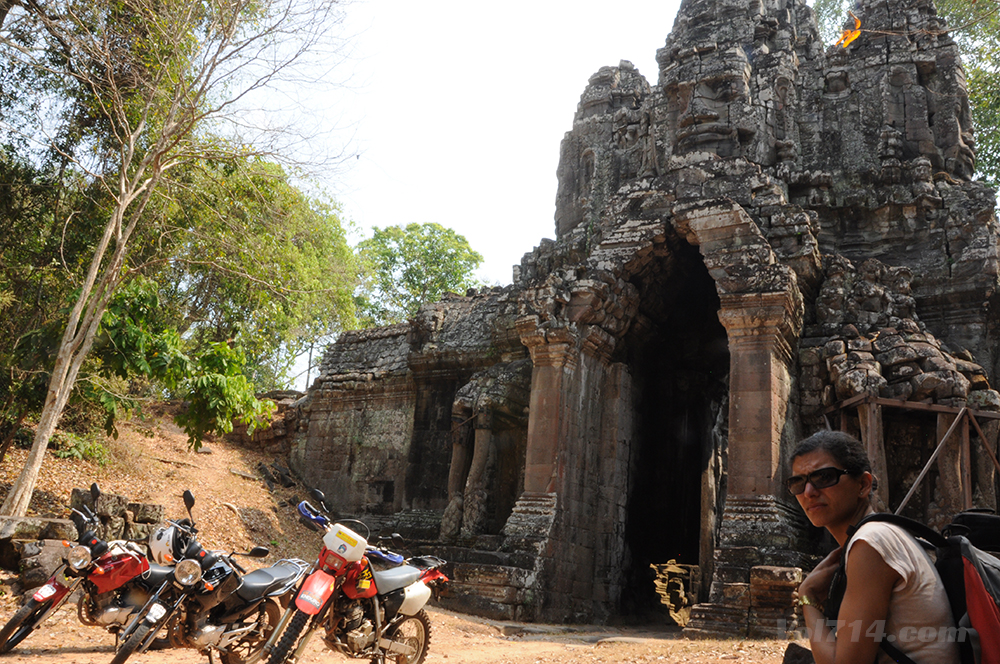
[(986, 444), (965, 464), (872, 436), (927, 467)]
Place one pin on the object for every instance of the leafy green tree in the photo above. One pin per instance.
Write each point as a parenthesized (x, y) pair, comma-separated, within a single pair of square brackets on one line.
[(133, 342), (407, 266), (268, 268), (127, 93)]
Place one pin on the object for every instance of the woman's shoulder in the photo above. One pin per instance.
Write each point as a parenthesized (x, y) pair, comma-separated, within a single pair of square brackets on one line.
[(891, 541)]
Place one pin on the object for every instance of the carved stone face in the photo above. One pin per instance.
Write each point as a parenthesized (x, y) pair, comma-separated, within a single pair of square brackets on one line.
[(959, 153), (706, 97)]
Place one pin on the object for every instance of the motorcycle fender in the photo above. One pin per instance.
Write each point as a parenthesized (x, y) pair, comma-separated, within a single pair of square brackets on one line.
[(58, 585), (49, 590), (415, 596), (315, 591)]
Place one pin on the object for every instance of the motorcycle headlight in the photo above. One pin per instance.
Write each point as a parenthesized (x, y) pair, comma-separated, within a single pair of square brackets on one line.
[(78, 557), (187, 572)]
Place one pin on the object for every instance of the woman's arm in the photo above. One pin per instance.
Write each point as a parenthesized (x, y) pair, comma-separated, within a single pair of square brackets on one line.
[(861, 622)]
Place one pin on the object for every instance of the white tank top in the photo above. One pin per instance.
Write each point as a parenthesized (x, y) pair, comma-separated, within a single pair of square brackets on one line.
[(919, 622)]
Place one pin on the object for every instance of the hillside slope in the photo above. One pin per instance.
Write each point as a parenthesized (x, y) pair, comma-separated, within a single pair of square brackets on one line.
[(151, 462)]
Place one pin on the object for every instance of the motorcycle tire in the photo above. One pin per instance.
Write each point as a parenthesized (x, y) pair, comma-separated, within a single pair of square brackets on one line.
[(135, 639), (266, 618), (23, 623), (414, 631), (289, 637)]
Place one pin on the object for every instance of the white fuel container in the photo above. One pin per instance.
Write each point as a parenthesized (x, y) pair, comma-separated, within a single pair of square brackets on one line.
[(344, 543)]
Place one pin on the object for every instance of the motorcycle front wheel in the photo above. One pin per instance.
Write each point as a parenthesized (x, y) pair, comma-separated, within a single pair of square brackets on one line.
[(289, 637), (267, 616), (414, 631), (135, 639), (23, 623)]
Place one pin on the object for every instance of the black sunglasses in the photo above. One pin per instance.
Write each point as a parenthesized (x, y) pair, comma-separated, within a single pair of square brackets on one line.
[(820, 479)]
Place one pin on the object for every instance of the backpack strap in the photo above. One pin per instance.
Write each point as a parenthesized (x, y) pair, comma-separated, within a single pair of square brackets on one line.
[(915, 528)]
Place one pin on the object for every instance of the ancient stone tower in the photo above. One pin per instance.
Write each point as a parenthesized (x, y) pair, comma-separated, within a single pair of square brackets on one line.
[(772, 237)]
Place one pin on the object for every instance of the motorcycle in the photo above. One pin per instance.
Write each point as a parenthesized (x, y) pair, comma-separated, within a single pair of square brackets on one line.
[(116, 578), (364, 612), (209, 602)]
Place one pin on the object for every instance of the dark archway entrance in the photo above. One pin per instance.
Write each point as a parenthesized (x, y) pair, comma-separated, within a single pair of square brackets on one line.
[(678, 355)]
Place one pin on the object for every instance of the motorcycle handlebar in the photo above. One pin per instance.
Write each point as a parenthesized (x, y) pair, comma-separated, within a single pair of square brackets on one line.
[(232, 561)]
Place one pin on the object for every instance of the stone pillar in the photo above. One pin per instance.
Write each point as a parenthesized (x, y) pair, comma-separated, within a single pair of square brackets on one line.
[(757, 527), (474, 519), (553, 354), (761, 327)]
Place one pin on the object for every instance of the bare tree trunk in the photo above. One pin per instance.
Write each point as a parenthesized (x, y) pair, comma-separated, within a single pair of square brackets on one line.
[(64, 374), (81, 328), (5, 6)]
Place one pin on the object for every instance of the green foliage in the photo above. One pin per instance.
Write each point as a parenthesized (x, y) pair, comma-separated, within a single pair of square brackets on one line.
[(83, 448), (218, 393), (975, 26), (133, 343), (408, 266), (266, 267)]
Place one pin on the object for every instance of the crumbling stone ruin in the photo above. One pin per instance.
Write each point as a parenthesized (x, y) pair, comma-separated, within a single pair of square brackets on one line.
[(772, 237)]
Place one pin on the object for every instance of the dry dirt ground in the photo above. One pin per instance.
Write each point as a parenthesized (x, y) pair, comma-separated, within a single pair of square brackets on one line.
[(152, 463)]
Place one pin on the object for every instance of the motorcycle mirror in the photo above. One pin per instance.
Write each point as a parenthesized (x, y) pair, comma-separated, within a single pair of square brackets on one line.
[(317, 495), (95, 492), (258, 552), (189, 501)]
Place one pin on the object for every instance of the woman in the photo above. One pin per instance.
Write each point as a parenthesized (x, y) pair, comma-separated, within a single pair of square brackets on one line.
[(893, 590)]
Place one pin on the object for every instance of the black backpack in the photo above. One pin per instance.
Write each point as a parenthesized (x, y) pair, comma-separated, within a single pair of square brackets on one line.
[(971, 578)]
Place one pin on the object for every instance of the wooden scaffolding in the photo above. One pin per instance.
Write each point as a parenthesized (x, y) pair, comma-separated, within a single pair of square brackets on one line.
[(869, 410)]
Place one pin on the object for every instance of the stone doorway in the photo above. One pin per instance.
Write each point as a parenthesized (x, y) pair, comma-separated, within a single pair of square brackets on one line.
[(679, 358)]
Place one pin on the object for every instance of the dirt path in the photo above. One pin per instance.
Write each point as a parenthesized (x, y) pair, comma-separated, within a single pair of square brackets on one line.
[(454, 638)]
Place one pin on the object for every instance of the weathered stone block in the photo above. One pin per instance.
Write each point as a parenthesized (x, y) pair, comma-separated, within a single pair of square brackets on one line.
[(896, 355), (903, 371), (984, 400), (146, 512)]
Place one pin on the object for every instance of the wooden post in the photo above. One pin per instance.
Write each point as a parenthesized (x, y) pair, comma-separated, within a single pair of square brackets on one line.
[(872, 436), (965, 461), (937, 450)]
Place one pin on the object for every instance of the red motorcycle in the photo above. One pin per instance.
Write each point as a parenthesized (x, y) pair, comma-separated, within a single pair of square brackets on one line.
[(364, 612), (116, 578)]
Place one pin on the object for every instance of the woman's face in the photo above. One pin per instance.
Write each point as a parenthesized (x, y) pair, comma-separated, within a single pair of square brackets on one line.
[(835, 505)]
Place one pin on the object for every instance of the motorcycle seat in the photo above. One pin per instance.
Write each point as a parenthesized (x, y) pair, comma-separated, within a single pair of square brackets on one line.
[(262, 581), (395, 578)]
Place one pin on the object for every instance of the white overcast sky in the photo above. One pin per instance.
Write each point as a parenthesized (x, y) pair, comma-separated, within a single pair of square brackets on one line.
[(457, 110)]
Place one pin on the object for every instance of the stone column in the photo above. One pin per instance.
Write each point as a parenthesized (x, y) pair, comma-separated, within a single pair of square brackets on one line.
[(760, 327), (474, 519), (553, 354), (757, 527)]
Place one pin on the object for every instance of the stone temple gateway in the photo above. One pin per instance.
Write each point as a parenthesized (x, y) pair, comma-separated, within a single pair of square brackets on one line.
[(771, 238)]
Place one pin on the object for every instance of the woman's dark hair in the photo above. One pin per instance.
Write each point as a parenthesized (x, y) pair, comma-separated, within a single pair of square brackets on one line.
[(844, 448)]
